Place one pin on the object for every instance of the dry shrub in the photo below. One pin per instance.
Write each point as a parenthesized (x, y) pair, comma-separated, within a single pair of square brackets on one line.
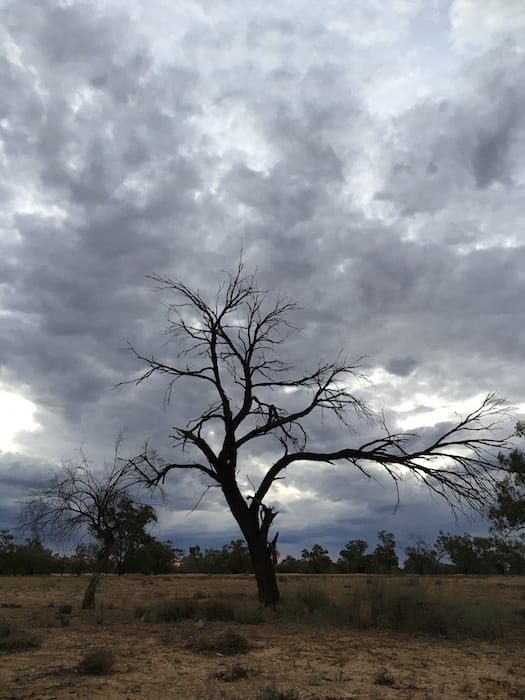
[(270, 692), (97, 661), (232, 673), (171, 610), (229, 643), (14, 639)]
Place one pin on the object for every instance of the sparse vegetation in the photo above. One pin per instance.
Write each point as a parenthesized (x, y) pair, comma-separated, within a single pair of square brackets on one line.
[(329, 634)]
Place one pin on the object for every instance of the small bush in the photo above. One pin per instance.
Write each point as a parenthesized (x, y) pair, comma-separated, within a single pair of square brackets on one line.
[(65, 620), (384, 677), (171, 610), (232, 673), (228, 643), (270, 692), (97, 661), (17, 640), (5, 628)]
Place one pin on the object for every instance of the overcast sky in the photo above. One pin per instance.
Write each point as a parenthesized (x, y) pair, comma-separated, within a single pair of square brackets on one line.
[(367, 155)]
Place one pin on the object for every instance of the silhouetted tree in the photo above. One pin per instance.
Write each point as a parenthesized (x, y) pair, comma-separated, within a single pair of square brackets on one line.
[(230, 348), (317, 560), (384, 555), (422, 558), (352, 558), (77, 499)]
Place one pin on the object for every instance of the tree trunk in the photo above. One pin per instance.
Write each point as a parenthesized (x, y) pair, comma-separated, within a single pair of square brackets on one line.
[(88, 601), (258, 546), (264, 570)]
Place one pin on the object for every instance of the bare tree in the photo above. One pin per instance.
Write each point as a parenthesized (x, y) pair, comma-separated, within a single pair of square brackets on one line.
[(230, 348), (78, 499)]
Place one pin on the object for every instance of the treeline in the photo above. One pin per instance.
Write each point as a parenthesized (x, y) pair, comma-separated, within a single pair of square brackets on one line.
[(449, 554), (150, 556)]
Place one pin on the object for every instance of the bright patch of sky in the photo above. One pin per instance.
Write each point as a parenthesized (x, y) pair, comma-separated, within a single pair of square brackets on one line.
[(16, 416)]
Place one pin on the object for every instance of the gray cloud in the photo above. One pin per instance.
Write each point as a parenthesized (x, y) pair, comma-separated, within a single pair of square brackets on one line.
[(135, 142)]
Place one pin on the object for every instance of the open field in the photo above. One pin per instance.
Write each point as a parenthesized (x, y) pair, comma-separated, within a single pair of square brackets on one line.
[(336, 636)]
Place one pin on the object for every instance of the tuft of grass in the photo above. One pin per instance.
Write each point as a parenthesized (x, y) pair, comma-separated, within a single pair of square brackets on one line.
[(228, 643), (232, 673), (270, 692), (97, 661), (5, 628), (384, 677), (171, 610)]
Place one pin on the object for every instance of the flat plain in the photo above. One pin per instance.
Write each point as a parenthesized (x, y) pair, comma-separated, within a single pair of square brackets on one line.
[(309, 648)]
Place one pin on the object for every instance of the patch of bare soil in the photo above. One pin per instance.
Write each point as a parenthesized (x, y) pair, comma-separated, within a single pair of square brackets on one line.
[(167, 660)]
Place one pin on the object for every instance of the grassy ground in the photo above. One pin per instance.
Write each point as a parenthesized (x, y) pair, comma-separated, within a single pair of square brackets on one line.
[(205, 637)]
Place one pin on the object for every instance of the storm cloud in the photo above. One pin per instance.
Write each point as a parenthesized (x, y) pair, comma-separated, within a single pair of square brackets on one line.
[(367, 159)]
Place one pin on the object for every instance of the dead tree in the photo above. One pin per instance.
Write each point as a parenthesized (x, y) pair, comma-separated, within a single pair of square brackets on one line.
[(230, 348), (78, 500)]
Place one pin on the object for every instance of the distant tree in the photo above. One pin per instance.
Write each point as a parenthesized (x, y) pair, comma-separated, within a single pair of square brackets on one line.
[(422, 558), (151, 557), (78, 499), (384, 555), (317, 560), (473, 555), (290, 565), (232, 558), (130, 531), (25, 559), (352, 558), (229, 349)]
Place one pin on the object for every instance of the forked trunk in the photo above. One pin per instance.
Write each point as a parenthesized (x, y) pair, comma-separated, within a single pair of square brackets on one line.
[(255, 534)]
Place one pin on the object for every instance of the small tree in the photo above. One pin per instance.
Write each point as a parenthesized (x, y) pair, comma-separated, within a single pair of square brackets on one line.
[(385, 557), (353, 559), (229, 348), (317, 560), (78, 499), (422, 558)]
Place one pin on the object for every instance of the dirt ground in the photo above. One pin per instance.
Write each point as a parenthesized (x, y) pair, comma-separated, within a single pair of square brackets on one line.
[(318, 661)]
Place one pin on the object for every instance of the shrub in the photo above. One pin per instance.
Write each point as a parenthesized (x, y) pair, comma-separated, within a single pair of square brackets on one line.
[(97, 661), (13, 639), (232, 673), (384, 677), (270, 692), (228, 643), (5, 628), (171, 610)]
